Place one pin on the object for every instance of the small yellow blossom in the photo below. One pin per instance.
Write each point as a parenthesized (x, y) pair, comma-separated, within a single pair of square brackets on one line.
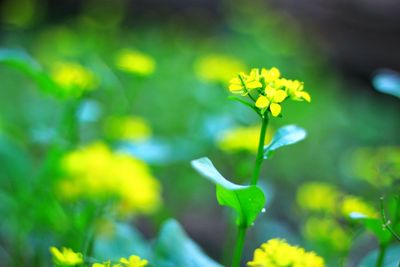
[(104, 264), (294, 88), (129, 128), (318, 197), (278, 253), (135, 62), (96, 172), (66, 257), (217, 68), (271, 99), (267, 89), (242, 139), (73, 79), (352, 205), (133, 261), (244, 83)]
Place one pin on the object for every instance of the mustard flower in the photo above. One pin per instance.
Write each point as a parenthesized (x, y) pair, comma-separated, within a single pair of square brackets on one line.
[(73, 79), (135, 62), (278, 253), (267, 89), (352, 205), (96, 172), (318, 197), (66, 257), (133, 261), (244, 83)]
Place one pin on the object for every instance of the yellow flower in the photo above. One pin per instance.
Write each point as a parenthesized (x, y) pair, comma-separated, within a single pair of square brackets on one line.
[(217, 68), (244, 83), (352, 205), (135, 62), (270, 75), (66, 257), (73, 79), (267, 89), (278, 253), (319, 197), (242, 139), (96, 172), (133, 261), (127, 128), (104, 264), (294, 88), (271, 100)]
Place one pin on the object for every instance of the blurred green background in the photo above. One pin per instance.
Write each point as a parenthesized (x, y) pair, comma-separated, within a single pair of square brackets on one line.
[(72, 73)]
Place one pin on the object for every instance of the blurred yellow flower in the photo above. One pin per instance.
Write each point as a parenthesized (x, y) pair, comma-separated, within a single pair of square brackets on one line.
[(326, 232), (278, 253), (319, 197), (73, 79), (133, 261), (135, 62), (129, 128), (104, 264), (217, 68), (242, 139), (96, 172), (267, 89), (352, 205), (66, 257)]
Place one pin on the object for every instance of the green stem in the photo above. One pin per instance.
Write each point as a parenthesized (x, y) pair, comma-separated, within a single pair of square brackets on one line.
[(381, 255), (237, 256), (260, 152)]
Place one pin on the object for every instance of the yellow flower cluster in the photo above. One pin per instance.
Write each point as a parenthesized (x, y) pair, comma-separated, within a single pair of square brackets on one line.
[(217, 68), (66, 257), (242, 139), (318, 197), (135, 62), (278, 253), (268, 89), (324, 197), (128, 128), (73, 79), (96, 172), (133, 261)]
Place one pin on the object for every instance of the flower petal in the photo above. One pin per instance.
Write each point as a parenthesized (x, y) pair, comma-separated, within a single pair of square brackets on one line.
[(279, 96), (275, 109), (262, 102), (306, 96), (253, 85)]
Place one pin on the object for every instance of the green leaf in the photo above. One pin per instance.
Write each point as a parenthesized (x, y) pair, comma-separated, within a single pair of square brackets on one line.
[(286, 135), (248, 201), (23, 62), (173, 248), (392, 258)]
